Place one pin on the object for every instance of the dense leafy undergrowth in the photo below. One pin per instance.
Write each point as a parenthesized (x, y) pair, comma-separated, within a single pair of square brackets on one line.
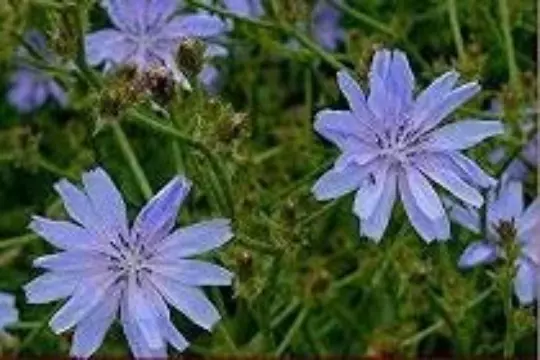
[(306, 280)]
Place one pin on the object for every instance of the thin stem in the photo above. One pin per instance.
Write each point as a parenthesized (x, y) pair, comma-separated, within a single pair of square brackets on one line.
[(131, 158), (509, 45), (456, 31), (18, 241), (214, 161), (363, 18), (37, 330), (54, 169), (509, 339), (416, 338), (80, 60), (312, 46), (292, 331)]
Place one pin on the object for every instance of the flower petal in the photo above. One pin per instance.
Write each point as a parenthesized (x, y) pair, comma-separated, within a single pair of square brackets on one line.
[(158, 216), (72, 261), (480, 252), (136, 340), (169, 332), (432, 96), (190, 301), (157, 13), (106, 200), (90, 331), (51, 286), (247, 8), (423, 194), (402, 80), (508, 204), (195, 239), (429, 228), (433, 115), (448, 179), (470, 170), (525, 282), (339, 126), (142, 315), (334, 183), (462, 135), (108, 45), (378, 101), (466, 216), (193, 272), (375, 225), (63, 234), (84, 299), (529, 221), (123, 14), (78, 205), (356, 98), (198, 25), (371, 190)]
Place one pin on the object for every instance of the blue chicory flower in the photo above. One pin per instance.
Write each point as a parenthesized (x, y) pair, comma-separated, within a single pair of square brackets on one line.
[(106, 268), (31, 87), (148, 34), (504, 205), (8, 312), (391, 141)]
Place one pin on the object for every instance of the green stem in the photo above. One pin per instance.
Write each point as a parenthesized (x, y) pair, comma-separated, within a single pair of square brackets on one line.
[(214, 161), (131, 158), (18, 241), (292, 331), (456, 31), (416, 338), (509, 339), (37, 330), (363, 18), (80, 60), (54, 169), (312, 46), (509, 45)]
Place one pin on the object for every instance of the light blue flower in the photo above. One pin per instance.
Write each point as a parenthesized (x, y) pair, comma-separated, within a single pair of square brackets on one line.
[(506, 205), (8, 312), (107, 269), (392, 142), (148, 34), (31, 87)]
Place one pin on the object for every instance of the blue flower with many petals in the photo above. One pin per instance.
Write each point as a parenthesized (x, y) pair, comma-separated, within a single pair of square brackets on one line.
[(107, 269), (391, 141), (8, 312), (506, 205), (31, 87), (148, 34)]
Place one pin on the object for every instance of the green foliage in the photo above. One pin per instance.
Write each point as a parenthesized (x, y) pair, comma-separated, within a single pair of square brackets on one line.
[(306, 282)]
